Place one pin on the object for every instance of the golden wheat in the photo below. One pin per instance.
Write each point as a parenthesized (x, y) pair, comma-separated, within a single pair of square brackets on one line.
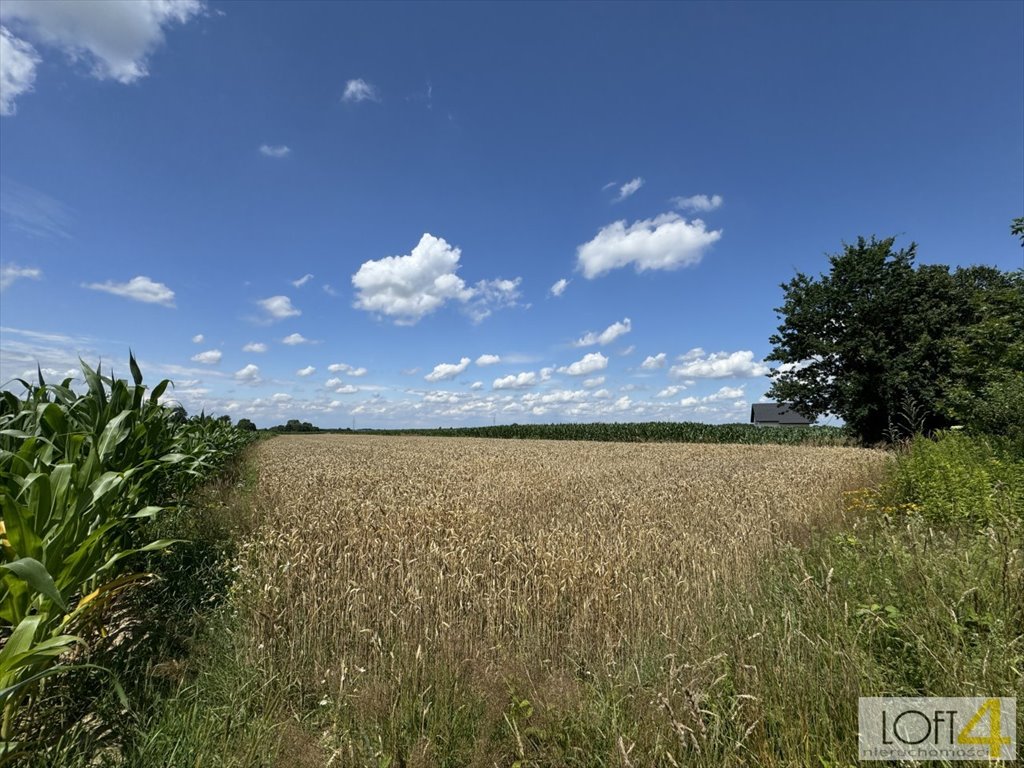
[(396, 575)]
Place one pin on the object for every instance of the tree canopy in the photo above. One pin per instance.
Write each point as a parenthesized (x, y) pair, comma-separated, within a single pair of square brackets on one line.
[(892, 347)]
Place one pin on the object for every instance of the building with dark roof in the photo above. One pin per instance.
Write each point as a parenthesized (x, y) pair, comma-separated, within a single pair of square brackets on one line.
[(777, 415)]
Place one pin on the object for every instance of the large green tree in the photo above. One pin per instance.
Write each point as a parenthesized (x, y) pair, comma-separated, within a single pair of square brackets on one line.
[(892, 347)]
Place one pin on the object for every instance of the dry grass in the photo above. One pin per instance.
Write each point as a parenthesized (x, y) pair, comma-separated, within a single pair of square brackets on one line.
[(442, 601)]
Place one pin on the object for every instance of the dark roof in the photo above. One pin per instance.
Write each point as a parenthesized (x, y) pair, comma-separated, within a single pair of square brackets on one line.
[(776, 413)]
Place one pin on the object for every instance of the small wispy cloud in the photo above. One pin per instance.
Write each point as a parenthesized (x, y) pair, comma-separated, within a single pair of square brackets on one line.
[(275, 150), (359, 90), (33, 212), (629, 188), (698, 203), (559, 287), (210, 357), (198, 338), (302, 280), (309, 370), (255, 346), (11, 272), (294, 339), (278, 307), (140, 288)]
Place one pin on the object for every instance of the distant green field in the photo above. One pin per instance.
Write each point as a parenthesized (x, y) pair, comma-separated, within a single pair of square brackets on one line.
[(641, 432)]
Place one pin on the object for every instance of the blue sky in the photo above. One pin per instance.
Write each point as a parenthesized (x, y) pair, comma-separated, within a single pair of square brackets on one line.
[(171, 172)]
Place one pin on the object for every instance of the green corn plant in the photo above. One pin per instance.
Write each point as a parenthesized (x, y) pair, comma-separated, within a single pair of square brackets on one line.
[(80, 474)]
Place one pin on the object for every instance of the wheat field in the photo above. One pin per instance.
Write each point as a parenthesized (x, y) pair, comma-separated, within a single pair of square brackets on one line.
[(443, 601)]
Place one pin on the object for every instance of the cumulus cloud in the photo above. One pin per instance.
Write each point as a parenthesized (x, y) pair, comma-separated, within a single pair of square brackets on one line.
[(476, 385), (255, 346), (139, 288), (359, 90), (114, 39), (309, 370), (723, 394), (516, 381), (276, 151), (672, 391), (209, 357), (607, 336), (559, 287), (588, 364), (339, 367), (18, 61), (593, 383), (278, 308), (629, 188), (443, 371), (667, 241), (11, 272), (488, 360), (198, 338), (250, 374), (281, 397), (357, 372), (292, 339), (302, 280), (407, 288), (698, 364), (347, 389), (701, 203), (653, 362)]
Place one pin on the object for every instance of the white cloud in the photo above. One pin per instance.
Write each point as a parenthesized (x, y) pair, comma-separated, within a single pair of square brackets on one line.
[(488, 360), (671, 391), (725, 393), (588, 364), (209, 357), (139, 288), (347, 389), (628, 350), (444, 371), (489, 295), (250, 374), (333, 382), (293, 339), (277, 151), (279, 307), (359, 90), (629, 188), (718, 365), (302, 280), (309, 370), (701, 203), (255, 346), (407, 288), (11, 272), (516, 381), (607, 336), (476, 385), (593, 383), (559, 287), (357, 372), (198, 338), (653, 362), (329, 290), (281, 397), (18, 60), (667, 241), (339, 367), (115, 38)]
